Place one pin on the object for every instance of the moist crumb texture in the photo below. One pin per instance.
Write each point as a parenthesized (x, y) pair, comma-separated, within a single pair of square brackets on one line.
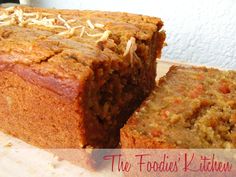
[(70, 78), (190, 108)]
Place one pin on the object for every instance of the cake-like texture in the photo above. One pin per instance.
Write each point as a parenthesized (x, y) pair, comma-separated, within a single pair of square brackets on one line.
[(70, 78), (192, 107)]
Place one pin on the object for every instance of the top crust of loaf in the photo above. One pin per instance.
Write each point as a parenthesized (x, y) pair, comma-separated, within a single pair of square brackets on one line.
[(67, 42)]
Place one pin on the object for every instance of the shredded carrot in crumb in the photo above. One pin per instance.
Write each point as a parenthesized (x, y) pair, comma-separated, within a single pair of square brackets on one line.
[(156, 133), (165, 114), (213, 122), (133, 121), (224, 88), (197, 91)]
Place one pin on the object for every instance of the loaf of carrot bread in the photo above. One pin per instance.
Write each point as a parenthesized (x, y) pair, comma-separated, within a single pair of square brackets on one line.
[(70, 78), (190, 108)]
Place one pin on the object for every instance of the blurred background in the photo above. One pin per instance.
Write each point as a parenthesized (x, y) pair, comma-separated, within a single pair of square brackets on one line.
[(198, 31)]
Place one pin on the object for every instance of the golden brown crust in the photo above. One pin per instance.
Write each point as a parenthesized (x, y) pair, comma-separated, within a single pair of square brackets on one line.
[(43, 39), (64, 87), (38, 115)]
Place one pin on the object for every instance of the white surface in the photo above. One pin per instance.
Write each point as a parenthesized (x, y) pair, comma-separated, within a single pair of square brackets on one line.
[(24, 160), (198, 31)]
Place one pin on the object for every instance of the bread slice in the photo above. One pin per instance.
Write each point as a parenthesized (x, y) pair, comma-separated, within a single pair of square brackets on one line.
[(192, 107), (70, 78)]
